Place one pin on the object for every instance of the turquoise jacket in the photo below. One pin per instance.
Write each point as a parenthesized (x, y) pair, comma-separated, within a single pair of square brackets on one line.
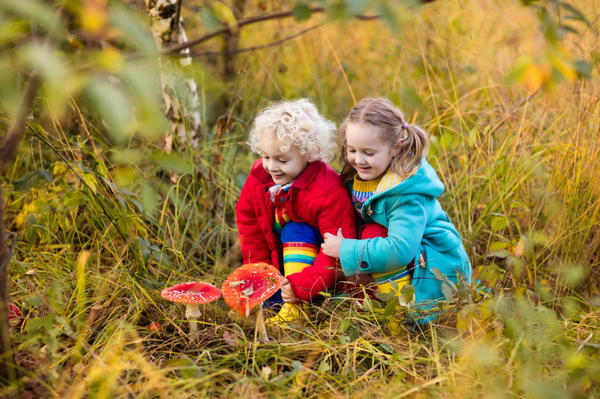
[(416, 223)]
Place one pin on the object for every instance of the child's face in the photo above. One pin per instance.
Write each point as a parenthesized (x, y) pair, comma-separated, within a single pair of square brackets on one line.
[(366, 151), (283, 167)]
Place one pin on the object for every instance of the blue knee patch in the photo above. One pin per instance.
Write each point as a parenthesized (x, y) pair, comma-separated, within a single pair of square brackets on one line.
[(300, 232)]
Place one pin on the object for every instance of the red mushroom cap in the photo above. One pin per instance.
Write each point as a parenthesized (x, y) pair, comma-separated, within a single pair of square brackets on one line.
[(250, 285), (192, 292), (13, 312)]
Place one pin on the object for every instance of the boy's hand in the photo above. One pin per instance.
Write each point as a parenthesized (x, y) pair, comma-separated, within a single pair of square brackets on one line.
[(331, 244), (287, 294)]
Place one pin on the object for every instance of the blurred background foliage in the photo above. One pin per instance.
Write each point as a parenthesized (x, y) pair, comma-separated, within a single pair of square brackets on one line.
[(133, 154)]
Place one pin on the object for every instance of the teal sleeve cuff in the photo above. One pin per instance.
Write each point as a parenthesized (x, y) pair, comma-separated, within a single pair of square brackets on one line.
[(349, 256)]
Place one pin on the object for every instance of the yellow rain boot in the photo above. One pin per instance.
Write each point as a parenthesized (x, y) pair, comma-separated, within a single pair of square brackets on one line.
[(296, 256), (289, 313)]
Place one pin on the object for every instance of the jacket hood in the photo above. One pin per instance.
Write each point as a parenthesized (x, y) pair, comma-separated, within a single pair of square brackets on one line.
[(424, 182)]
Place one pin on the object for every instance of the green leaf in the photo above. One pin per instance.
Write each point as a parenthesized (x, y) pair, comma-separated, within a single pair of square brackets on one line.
[(447, 291), (463, 292), (387, 347), (39, 13), (344, 325), (209, 19), (31, 179), (324, 366), (518, 69), (575, 13), (356, 7), (496, 245), (225, 14), (301, 12), (36, 324), (114, 106), (499, 223), (129, 156), (390, 307), (408, 292), (144, 84), (572, 274), (438, 274), (133, 28), (353, 332), (569, 28), (498, 253), (172, 162), (32, 301), (149, 198), (583, 68), (389, 15), (296, 368)]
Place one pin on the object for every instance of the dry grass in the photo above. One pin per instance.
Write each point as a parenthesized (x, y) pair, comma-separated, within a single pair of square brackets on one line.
[(522, 177)]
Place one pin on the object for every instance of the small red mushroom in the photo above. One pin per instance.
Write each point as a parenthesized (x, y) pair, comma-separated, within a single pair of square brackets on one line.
[(192, 294), (155, 327), (250, 285), (13, 312)]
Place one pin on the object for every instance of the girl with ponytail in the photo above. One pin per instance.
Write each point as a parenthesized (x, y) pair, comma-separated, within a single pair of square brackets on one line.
[(404, 234)]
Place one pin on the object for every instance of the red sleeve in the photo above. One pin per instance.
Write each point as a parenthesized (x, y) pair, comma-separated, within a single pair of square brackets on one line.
[(335, 212), (252, 241)]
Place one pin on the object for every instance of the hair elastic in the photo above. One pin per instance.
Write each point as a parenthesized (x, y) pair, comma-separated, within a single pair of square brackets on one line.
[(404, 125)]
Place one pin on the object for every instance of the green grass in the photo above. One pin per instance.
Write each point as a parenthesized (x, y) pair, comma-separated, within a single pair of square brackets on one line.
[(521, 171)]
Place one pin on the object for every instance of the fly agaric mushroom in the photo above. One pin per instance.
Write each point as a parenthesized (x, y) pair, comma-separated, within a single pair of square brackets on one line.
[(192, 294), (248, 286)]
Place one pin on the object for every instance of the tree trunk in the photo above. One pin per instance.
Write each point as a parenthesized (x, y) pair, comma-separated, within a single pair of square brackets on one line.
[(7, 365), (231, 44), (168, 30), (8, 371)]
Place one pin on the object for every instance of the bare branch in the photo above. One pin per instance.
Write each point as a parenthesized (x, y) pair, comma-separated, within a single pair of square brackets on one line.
[(254, 48), (252, 20)]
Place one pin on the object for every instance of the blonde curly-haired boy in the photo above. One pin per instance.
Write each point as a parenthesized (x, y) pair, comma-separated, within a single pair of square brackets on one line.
[(291, 198)]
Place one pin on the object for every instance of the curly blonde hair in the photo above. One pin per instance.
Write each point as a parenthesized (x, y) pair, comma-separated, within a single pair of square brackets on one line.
[(296, 123)]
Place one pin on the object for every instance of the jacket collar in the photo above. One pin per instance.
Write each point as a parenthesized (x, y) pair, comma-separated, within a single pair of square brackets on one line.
[(307, 175)]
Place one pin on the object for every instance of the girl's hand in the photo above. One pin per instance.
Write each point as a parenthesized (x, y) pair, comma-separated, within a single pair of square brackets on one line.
[(331, 244), (287, 293)]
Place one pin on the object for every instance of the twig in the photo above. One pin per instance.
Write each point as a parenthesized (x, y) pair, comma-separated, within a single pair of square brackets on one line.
[(252, 20), (424, 385), (585, 341), (253, 48)]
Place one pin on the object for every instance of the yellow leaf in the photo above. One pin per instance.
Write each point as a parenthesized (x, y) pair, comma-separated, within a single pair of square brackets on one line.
[(94, 16), (82, 259), (59, 168), (90, 180), (110, 59), (534, 77), (225, 14), (519, 250), (27, 209), (564, 67), (496, 245)]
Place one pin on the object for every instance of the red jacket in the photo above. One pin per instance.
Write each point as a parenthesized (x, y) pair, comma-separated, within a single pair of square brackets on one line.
[(318, 198)]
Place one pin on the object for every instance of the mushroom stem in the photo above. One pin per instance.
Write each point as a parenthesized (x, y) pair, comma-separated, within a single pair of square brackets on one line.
[(192, 313), (260, 325)]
